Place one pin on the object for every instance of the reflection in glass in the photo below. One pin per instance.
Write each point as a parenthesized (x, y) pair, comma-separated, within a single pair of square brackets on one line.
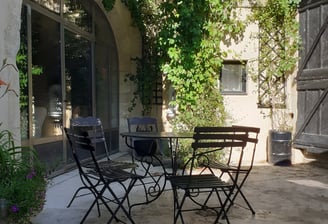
[(233, 77), (23, 76), (106, 73), (79, 13), (102, 84), (78, 74), (52, 5), (47, 93)]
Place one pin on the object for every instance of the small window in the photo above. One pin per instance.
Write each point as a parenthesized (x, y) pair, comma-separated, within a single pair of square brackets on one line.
[(233, 77)]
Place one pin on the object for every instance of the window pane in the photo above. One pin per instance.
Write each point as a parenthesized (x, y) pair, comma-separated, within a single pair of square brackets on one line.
[(52, 5), (78, 74), (23, 76), (102, 84), (233, 78), (47, 93), (79, 13), (106, 72)]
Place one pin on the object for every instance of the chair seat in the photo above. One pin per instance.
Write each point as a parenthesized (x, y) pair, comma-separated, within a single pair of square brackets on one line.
[(112, 174), (116, 164), (202, 181), (225, 168)]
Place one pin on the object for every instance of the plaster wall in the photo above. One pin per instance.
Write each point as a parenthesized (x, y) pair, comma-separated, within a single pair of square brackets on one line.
[(128, 42), (243, 109), (9, 45)]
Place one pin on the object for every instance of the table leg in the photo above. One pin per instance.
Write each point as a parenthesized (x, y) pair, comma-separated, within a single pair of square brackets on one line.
[(173, 145)]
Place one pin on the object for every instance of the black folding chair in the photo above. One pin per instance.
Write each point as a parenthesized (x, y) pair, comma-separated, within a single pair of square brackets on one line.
[(229, 167), (93, 127), (142, 147), (98, 179), (207, 191), (145, 153)]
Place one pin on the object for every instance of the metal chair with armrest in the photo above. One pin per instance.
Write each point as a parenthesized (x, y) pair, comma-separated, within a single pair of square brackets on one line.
[(145, 153), (98, 179), (142, 147), (229, 167), (207, 140), (94, 128)]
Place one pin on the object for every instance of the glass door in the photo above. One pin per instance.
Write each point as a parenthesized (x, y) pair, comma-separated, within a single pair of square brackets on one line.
[(78, 76)]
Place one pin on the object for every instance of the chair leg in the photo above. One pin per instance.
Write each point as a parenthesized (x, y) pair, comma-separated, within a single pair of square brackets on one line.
[(121, 201), (223, 211), (75, 195), (244, 197), (238, 191), (99, 196), (178, 206)]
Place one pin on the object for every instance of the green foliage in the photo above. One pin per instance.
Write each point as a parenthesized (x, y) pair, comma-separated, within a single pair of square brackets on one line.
[(145, 79), (22, 180), (278, 19), (209, 111), (21, 61), (190, 46), (146, 17), (182, 43), (108, 4)]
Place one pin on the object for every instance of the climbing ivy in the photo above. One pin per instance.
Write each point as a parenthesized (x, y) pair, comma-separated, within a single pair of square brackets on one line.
[(108, 4), (146, 17), (190, 45), (182, 43)]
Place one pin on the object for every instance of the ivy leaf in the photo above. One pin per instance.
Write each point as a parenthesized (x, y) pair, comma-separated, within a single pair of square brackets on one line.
[(108, 4)]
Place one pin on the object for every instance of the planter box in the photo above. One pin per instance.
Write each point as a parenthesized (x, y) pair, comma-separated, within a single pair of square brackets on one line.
[(279, 147)]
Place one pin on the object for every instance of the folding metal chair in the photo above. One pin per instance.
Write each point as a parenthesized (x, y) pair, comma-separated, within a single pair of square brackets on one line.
[(229, 167), (207, 191), (142, 147), (145, 152), (98, 179), (93, 127)]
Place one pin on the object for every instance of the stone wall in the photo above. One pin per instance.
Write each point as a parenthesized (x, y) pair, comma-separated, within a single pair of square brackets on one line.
[(128, 42), (9, 44)]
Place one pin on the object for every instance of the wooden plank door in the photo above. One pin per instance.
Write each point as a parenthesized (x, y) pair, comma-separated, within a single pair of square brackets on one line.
[(312, 79)]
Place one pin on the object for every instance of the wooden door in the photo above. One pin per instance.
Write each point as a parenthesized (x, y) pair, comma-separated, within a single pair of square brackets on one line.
[(312, 79)]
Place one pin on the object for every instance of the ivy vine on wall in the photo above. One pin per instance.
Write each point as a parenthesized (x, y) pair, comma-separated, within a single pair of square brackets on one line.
[(108, 4), (190, 44), (182, 43)]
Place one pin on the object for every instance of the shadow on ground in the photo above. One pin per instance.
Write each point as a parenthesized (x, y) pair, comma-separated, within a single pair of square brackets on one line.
[(294, 194)]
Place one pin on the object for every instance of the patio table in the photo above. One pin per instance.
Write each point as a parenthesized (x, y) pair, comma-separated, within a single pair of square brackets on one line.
[(172, 137)]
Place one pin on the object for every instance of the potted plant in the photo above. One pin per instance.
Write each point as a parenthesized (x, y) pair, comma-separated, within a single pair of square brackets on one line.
[(278, 45), (22, 181)]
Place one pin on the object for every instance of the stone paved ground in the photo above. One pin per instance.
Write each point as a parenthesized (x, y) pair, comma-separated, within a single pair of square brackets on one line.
[(296, 194)]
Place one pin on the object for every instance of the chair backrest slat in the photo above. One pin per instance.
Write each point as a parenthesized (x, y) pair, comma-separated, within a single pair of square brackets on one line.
[(92, 126), (220, 136), (77, 143), (143, 124), (212, 139), (253, 134), (148, 124), (222, 144)]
